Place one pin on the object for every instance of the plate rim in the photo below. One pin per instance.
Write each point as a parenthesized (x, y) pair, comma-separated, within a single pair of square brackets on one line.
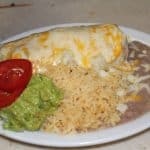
[(142, 121), (143, 36)]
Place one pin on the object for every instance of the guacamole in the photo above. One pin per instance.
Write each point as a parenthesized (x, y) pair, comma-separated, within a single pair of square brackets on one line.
[(40, 99)]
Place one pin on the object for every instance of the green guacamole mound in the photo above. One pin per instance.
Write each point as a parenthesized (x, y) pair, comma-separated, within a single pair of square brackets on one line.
[(39, 100)]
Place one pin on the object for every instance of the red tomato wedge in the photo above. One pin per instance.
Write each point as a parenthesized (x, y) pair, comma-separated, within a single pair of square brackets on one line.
[(7, 99), (14, 77), (14, 74)]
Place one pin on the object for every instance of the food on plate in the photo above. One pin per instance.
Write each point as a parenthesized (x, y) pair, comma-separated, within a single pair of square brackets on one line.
[(14, 76), (40, 99), (84, 45), (83, 78)]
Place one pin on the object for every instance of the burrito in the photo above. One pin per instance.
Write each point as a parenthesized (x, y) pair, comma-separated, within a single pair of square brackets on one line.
[(84, 45)]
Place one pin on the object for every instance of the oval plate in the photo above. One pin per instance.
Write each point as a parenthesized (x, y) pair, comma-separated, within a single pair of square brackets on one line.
[(84, 139)]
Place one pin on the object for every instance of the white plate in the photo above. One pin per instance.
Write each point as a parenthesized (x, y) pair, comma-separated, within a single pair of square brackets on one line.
[(86, 139)]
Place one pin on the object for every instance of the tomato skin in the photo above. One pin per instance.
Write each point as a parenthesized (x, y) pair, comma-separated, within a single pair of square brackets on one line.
[(7, 99), (14, 77), (14, 74)]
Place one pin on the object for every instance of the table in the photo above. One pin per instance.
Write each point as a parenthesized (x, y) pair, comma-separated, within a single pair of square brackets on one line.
[(134, 14)]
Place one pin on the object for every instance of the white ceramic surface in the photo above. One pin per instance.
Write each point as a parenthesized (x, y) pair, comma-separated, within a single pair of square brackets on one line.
[(86, 139)]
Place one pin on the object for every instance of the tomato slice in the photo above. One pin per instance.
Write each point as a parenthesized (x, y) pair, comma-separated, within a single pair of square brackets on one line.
[(14, 77), (7, 99), (14, 74)]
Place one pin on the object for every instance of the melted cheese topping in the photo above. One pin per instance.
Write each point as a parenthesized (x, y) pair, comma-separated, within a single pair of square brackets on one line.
[(83, 44)]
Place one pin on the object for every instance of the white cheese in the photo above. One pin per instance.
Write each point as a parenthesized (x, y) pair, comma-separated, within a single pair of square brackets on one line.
[(121, 92), (122, 108), (146, 67), (103, 73)]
